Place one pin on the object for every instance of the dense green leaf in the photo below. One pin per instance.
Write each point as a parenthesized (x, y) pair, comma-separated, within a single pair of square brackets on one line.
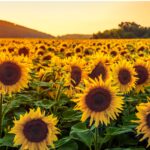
[(7, 140), (81, 133), (70, 145), (71, 115), (112, 131)]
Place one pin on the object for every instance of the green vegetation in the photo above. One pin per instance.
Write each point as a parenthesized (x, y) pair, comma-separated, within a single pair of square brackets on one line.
[(125, 30)]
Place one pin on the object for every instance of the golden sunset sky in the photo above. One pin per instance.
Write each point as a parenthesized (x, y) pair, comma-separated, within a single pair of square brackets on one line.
[(59, 18)]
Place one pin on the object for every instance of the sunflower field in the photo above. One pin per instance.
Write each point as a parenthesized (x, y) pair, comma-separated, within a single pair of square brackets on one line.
[(74, 94)]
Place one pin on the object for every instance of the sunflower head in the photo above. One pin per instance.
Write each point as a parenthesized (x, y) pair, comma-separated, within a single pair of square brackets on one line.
[(35, 131), (143, 74), (14, 73), (47, 57), (11, 49), (114, 52), (99, 102), (75, 70), (40, 52), (75, 73), (23, 51), (124, 76), (143, 116), (99, 66)]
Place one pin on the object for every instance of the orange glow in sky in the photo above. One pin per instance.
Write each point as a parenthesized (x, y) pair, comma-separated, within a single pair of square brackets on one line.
[(59, 18)]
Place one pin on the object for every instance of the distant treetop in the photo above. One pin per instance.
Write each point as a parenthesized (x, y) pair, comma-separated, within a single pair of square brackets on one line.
[(125, 30)]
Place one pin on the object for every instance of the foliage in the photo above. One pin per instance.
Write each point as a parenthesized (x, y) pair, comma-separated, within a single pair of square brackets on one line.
[(125, 30)]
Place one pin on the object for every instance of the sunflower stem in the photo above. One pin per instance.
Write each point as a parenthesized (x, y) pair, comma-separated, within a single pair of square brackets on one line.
[(5, 108), (58, 96), (96, 138), (58, 93), (1, 103)]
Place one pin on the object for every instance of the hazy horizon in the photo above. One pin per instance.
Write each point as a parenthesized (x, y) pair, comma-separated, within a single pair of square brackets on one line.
[(59, 18)]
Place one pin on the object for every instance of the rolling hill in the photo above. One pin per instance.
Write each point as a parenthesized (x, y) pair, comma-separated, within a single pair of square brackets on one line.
[(11, 30), (75, 36)]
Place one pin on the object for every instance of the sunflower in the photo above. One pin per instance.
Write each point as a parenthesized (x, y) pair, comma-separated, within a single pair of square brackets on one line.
[(43, 47), (40, 52), (114, 52), (78, 50), (99, 66), (41, 73), (143, 121), (14, 73), (69, 53), (47, 57), (99, 101), (52, 74), (124, 76), (23, 51), (35, 131), (143, 74), (123, 52), (56, 66), (88, 51), (75, 73), (10, 49)]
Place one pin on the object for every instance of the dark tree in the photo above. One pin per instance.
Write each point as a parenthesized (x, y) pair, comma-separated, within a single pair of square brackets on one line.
[(125, 30)]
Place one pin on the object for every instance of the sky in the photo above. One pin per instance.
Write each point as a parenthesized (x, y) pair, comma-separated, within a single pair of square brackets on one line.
[(58, 18)]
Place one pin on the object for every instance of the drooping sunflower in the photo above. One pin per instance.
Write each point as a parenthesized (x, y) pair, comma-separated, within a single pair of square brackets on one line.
[(14, 73), (52, 73), (41, 73), (143, 73), (143, 121), (124, 76), (35, 131), (99, 101), (99, 65)]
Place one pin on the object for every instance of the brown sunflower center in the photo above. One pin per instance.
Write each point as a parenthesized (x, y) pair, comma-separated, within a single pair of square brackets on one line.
[(148, 120), (24, 51), (142, 74), (10, 73), (75, 75), (97, 71), (11, 49), (35, 130), (113, 53), (48, 57), (78, 50), (124, 76), (68, 54), (98, 99), (40, 53)]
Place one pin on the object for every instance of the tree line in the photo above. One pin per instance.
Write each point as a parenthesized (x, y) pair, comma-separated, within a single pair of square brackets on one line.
[(125, 30)]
